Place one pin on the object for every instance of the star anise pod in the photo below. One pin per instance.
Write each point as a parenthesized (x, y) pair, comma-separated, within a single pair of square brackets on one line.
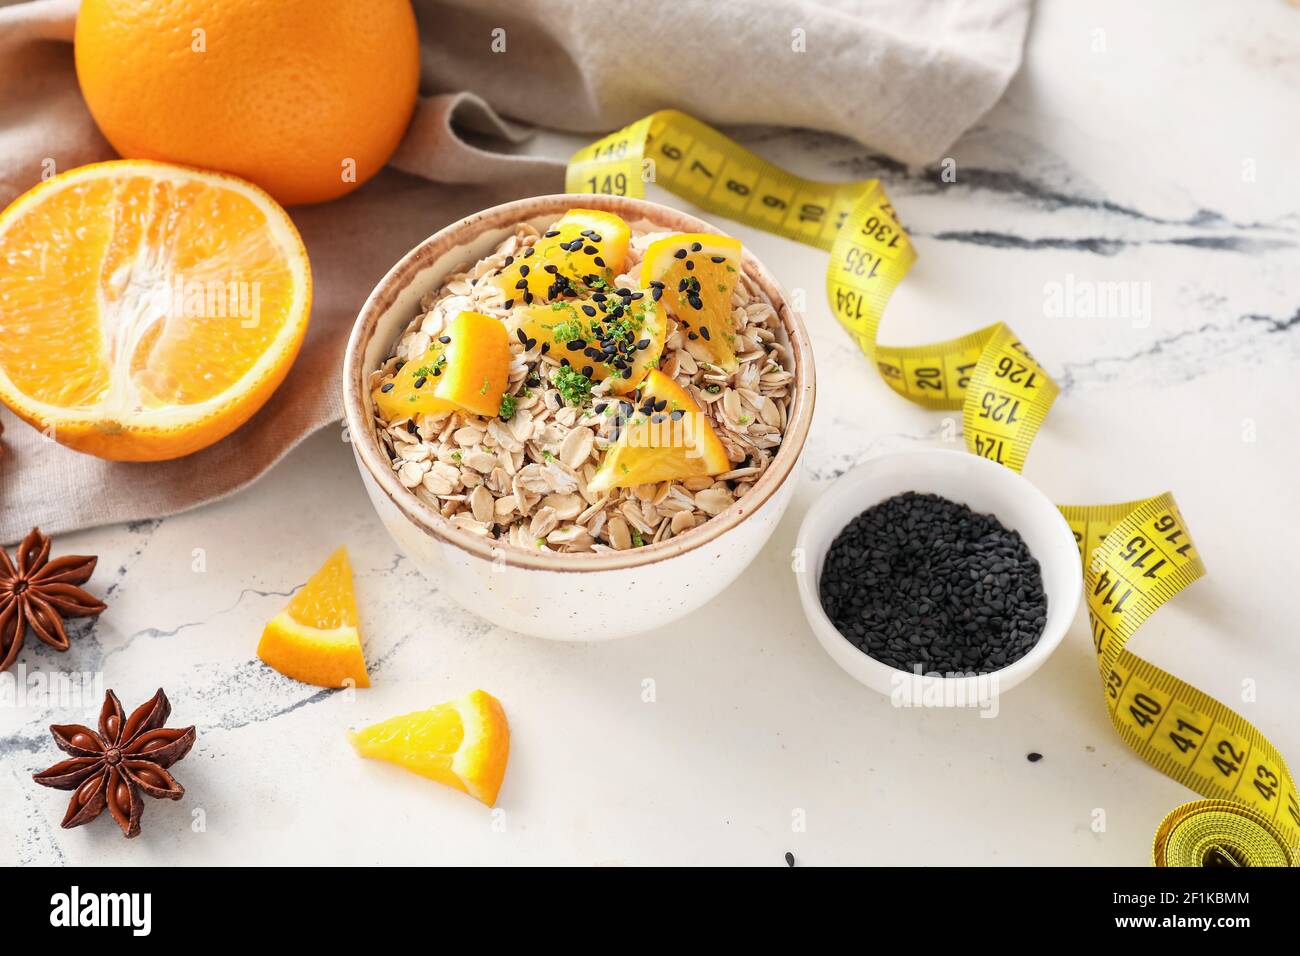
[(113, 767), (39, 593)]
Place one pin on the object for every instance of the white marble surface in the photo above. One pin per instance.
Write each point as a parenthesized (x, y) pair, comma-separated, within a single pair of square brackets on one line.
[(1117, 156)]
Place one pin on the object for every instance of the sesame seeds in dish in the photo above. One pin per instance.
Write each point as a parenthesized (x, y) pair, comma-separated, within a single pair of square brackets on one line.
[(518, 399)]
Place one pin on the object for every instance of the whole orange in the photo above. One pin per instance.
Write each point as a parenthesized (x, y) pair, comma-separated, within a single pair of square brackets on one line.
[(306, 99)]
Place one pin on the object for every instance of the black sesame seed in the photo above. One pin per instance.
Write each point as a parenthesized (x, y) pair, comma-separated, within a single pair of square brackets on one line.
[(704, 331), (643, 344), (577, 345), (1034, 757), (588, 371), (522, 336), (589, 310), (679, 254), (528, 298), (718, 259), (523, 270), (529, 344), (552, 269), (689, 265), (387, 387), (695, 301), (921, 582), (510, 303), (419, 382), (600, 409), (661, 404), (521, 284), (546, 347), (657, 292), (692, 336), (551, 235), (599, 261), (696, 247), (411, 429)]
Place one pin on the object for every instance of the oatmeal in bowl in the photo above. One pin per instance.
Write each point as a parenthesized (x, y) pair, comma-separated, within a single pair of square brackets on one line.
[(555, 446), (601, 393)]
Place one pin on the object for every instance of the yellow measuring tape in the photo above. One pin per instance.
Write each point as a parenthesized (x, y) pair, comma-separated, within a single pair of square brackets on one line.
[(1136, 555)]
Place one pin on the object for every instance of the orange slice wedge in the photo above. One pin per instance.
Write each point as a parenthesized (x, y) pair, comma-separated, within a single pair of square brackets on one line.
[(147, 310), (583, 249), (619, 337), (464, 743), (315, 638), (667, 438), (467, 367), (696, 274)]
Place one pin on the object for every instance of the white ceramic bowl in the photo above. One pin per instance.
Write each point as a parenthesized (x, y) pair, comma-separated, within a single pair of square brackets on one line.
[(985, 487), (574, 597)]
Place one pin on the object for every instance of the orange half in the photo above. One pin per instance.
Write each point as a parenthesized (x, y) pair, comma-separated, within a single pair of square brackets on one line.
[(147, 310)]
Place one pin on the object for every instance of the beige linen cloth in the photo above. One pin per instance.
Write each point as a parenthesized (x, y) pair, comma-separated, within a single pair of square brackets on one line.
[(905, 77)]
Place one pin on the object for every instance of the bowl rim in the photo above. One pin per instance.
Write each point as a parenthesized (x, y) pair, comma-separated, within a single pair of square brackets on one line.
[(371, 458), (882, 674)]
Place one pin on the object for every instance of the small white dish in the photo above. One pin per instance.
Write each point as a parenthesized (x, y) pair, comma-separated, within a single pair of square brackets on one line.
[(985, 487)]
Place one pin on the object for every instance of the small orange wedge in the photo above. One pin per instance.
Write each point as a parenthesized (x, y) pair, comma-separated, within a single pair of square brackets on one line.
[(147, 310), (463, 743), (315, 638)]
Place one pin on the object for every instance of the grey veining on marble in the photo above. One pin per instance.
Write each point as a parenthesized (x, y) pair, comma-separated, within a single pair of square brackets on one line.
[(1147, 144)]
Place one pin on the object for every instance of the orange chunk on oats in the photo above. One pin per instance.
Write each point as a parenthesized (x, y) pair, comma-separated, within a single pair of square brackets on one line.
[(697, 273), (671, 441), (583, 249), (466, 368), (628, 333)]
